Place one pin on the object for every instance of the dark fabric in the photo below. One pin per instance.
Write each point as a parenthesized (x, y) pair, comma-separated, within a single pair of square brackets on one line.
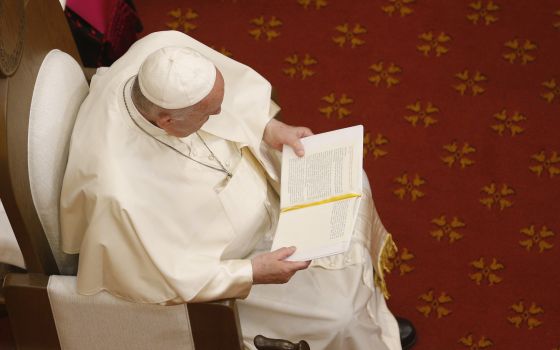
[(103, 48)]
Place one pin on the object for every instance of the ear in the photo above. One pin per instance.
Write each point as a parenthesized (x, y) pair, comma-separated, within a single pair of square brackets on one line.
[(164, 121)]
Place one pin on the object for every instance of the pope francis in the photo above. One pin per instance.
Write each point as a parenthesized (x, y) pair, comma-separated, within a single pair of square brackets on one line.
[(171, 195)]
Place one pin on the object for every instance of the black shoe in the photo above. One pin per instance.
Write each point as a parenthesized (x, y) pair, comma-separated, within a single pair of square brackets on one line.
[(407, 332)]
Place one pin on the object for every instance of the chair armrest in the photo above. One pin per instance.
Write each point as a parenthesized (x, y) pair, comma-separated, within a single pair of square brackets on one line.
[(30, 311)]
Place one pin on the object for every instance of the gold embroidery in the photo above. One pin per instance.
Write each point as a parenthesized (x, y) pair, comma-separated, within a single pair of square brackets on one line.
[(348, 35), (384, 74), (486, 12), (520, 52), (265, 28), (318, 3), (424, 115), (388, 251), (486, 272), (525, 315), (299, 65), (447, 228), (398, 6), (510, 123), (482, 343), (374, 147), (553, 90), (433, 44), (402, 262), (409, 186), (497, 198), (437, 305), (535, 239), (470, 82), (336, 106), (548, 164), (458, 155), (182, 20)]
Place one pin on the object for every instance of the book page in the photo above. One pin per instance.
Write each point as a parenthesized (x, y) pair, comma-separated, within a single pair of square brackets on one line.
[(331, 166), (317, 231)]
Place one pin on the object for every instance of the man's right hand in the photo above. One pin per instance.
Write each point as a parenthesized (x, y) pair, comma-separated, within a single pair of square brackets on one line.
[(271, 268)]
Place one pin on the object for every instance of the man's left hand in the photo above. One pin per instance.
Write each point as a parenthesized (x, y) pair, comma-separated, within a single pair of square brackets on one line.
[(276, 134)]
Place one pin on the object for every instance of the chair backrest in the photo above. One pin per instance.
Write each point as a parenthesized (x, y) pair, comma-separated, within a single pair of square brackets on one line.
[(44, 29), (60, 89)]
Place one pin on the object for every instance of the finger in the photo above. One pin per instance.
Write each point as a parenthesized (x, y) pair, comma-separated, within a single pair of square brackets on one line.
[(304, 132), (283, 253), (297, 146), (300, 265)]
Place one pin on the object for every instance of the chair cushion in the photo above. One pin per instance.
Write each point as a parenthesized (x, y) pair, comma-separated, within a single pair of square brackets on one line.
[(59, 91), (102, 321)]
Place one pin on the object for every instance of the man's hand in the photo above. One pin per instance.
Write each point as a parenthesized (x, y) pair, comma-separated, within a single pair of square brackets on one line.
[(270, 268), (277, 134)]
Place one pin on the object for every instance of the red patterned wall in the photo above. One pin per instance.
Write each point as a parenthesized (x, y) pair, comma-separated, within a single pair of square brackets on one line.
[(460, 100)]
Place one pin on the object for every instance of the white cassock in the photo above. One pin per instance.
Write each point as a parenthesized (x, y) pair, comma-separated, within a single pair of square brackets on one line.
[(152, 226)]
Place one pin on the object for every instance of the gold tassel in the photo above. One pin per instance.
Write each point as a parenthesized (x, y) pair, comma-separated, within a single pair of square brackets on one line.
[(388, 251)]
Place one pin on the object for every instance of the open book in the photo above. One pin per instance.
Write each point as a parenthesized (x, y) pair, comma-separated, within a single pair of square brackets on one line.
[(320, 194)]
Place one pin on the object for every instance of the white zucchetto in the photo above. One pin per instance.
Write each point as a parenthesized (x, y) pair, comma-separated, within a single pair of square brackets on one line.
[(176, 77)]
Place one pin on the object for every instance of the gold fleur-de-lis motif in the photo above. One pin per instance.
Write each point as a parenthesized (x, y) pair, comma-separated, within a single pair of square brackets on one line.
[(401, 7), (223, 51), (410, 187), (510, 123), (447, 228), (537, 239), (470, 82), (182, 21), (520, 52), (557, 24), (347, 35), (471, 344), (525, 315), (483, 12), (436, 305), (375, 146), (424, 115), (486, 272), (432, 43), (458, 154), (497, 198), (402, 261), (301, 65), (265, 28), (548, 164), (385, 74), (553, 90), (336, 107), (318, 3)]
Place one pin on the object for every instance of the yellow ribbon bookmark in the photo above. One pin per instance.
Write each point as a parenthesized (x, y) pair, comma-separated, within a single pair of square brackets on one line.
[(324, 201)]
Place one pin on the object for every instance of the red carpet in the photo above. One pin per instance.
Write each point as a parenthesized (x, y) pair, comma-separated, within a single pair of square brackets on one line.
[(461, 103)]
